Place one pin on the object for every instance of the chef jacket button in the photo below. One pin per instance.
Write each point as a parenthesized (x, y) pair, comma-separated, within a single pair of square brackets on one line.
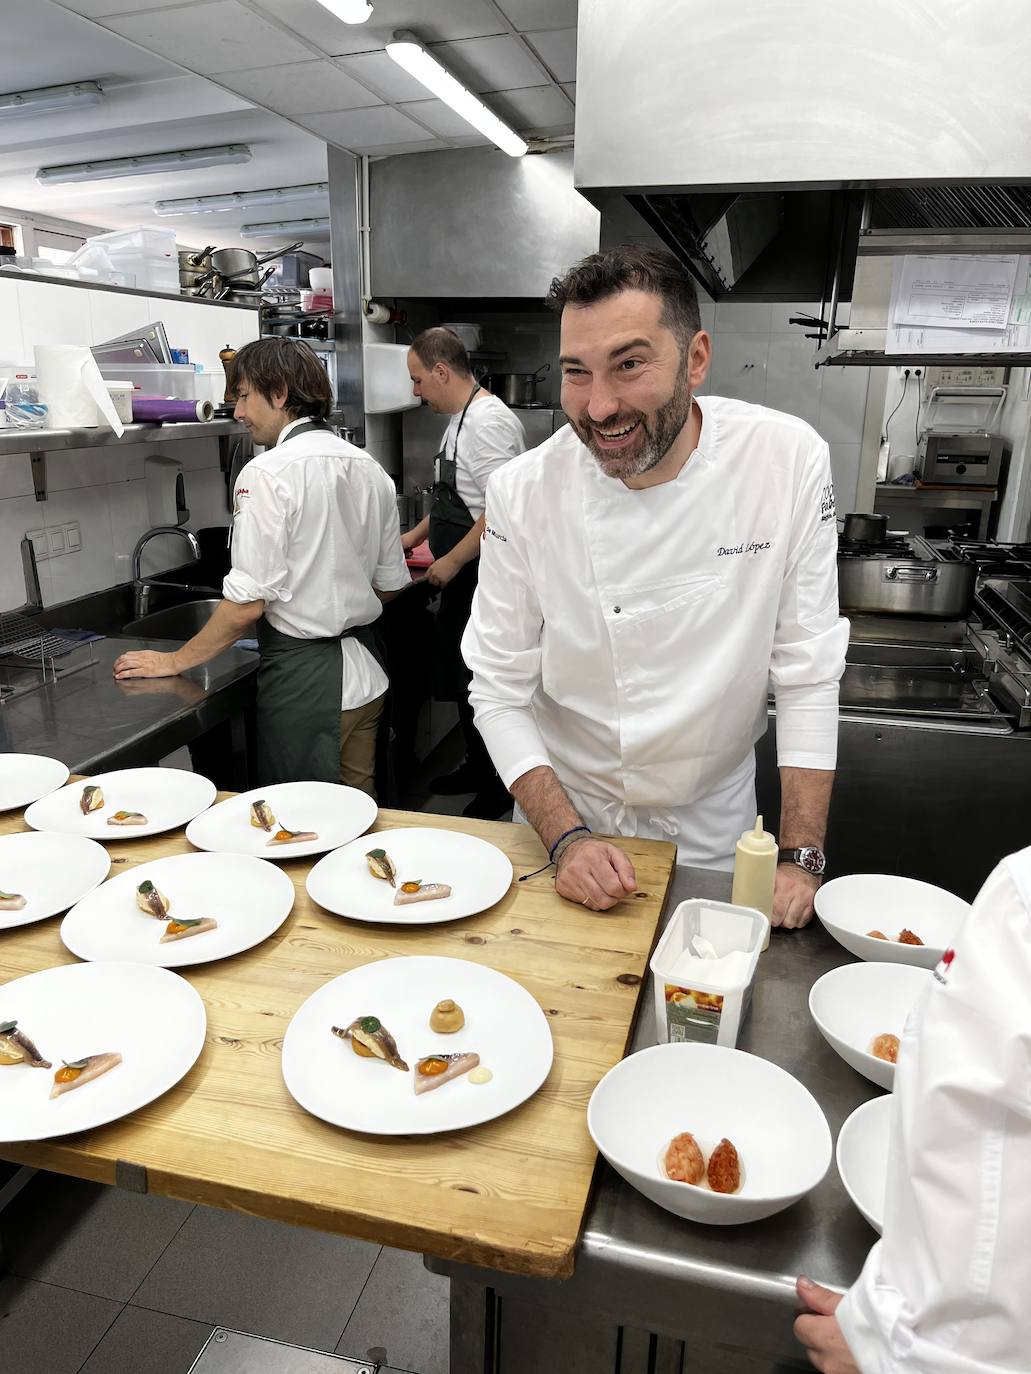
[(616, 610)]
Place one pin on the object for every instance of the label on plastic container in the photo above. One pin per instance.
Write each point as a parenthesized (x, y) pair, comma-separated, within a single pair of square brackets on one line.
[(692, 1014)]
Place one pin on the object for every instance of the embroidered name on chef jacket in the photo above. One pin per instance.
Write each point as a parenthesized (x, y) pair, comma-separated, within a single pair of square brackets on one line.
[(495, 534), (721, 552)]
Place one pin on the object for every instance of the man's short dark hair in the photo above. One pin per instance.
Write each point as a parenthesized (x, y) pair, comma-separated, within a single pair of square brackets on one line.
[(272, 366), (440, 345), (632, 268)]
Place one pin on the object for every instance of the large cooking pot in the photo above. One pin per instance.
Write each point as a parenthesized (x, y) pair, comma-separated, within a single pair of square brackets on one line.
[(241, 265), (868, 529), (924, 587), (516, 388)]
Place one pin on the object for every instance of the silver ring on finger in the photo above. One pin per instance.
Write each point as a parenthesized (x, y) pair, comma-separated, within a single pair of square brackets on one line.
[(586, 902)]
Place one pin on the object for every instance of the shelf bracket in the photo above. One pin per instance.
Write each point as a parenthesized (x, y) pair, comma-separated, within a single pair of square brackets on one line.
[(39, 473)]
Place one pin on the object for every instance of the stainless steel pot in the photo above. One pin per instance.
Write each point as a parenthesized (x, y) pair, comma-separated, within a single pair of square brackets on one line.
[(240, 264), (870, 529), (923, 587), (516, 388)]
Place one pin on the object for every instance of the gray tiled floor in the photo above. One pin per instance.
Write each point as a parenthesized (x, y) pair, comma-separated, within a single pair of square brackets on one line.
[(104, 1282)]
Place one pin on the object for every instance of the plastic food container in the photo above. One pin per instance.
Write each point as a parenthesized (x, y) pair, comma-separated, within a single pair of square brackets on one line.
[(121, 397), (155, 379), (706, 999)]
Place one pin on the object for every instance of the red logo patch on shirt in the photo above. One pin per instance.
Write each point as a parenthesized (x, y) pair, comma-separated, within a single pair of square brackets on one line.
[(243, 491), (944, 964)]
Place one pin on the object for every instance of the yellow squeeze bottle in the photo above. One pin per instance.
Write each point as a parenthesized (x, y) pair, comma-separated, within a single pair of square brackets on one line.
[(755, 871)]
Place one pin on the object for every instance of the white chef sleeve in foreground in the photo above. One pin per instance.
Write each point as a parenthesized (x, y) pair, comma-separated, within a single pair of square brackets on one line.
[(811, 638), (502, 649), (260, 540), (948, 1289)]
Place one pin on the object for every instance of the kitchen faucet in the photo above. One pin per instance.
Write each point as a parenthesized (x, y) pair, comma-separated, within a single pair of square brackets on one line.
[(141, 588)]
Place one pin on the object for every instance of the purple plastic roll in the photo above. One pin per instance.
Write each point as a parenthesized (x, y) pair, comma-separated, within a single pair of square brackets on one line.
[(168, 410)]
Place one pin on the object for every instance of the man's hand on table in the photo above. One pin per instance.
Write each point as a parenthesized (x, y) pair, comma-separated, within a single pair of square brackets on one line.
[(819, 1331), (145, 663), (594, 873), (793, 895)]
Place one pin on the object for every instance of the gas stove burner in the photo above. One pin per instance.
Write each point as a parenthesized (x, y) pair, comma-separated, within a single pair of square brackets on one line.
[(991, 559), (892, 546)]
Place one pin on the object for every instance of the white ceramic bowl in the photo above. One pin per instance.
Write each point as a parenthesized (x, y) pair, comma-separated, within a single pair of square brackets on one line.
[(850, 907), (853, 1004), (780, 1133), (862, 1157)]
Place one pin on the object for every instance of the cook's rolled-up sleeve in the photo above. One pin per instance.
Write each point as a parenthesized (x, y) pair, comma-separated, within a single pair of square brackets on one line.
[(946, 1290), (260, 541), (811, 638), (502, 647)]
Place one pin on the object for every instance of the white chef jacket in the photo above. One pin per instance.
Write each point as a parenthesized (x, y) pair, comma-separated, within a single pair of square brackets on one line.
[(948, 1289), (315, 529), (629, 637), (491, 435)]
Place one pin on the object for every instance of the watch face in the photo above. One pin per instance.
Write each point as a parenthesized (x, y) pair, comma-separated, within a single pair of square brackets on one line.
[(812, 859)]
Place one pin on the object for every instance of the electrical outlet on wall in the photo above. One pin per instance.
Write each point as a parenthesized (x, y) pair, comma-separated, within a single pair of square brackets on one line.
[(58, 540)]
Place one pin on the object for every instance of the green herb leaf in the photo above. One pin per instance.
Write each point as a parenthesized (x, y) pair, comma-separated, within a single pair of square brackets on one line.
[(75, 1063), (376, 854), (179, 922), (370, 1024), (7, 1026), (145, 888)]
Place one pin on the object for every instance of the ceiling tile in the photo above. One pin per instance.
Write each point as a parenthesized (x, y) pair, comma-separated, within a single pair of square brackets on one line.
[(301, 88), (533, 107), (490, 64), (435, 145), (570, 89), (539, 14), (439, 117), (361, 129), (558, 50), (384, 75), (212, 38), (92, 9), (435, 23)]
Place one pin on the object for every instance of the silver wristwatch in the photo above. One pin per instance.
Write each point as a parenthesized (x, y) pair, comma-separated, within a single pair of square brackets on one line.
[(808, 857)]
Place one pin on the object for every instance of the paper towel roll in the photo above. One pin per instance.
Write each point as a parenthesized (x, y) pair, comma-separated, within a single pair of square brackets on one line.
[(72, 387)]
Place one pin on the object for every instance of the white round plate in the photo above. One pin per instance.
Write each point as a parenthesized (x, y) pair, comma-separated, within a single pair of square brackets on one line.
[(477, 872), (503, 1025), (852, 906), (248, 900), (862, 1158), (52, 873), (24, 778), (775, 1123), (168, 797), (153, 1018), (337, 814), (854, 1004)]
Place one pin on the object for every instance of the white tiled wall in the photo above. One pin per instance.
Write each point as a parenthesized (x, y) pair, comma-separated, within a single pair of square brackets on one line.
[(104, 489)]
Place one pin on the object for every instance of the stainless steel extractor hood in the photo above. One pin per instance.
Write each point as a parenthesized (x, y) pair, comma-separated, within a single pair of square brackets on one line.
[(779, 149)]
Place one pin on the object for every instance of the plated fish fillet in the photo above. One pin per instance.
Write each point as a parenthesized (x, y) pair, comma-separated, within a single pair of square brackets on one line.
[(16, 1048), (92, 799), (127, 818), (292, 837), (381, 865), (182, 930), (372, 1036), (438, 1069), (152, 902), (262, 817), (74, 1075), (420, 892), (11, 901)]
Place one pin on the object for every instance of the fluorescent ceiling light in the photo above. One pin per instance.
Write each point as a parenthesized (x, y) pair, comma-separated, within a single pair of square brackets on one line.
[(44, 98), (408, 52), (241, 200), (183, 160), (306, 228), (350, 11)]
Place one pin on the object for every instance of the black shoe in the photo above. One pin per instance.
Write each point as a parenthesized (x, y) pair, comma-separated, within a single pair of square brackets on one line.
[(490, 804), (463, 779)]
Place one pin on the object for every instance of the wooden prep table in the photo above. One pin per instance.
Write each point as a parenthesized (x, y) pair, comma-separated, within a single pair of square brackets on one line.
[(508, 1195)]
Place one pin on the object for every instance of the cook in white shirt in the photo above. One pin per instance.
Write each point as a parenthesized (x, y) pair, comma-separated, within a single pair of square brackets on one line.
[(646, 574), (946, 1289), (316, 550)]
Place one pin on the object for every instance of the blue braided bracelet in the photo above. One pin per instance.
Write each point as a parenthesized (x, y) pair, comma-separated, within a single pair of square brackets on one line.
[(575, 830)]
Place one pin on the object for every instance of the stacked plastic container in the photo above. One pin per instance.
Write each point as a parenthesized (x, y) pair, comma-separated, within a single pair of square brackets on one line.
[(146, 253)]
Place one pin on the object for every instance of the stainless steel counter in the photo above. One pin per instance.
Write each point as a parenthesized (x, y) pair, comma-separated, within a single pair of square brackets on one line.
[(728, 1289), (91, 722)]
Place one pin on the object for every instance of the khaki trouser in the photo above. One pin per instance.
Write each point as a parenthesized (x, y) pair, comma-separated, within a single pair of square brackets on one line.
[(358, 731)]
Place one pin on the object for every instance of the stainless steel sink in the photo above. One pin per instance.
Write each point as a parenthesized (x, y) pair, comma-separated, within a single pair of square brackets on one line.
[(173, 622)]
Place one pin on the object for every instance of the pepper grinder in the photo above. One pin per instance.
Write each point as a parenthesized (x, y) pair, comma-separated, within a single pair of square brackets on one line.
[(226, 359)]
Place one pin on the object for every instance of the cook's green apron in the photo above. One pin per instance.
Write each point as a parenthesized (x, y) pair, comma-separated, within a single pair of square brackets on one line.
[(300, 687), (450, 521)]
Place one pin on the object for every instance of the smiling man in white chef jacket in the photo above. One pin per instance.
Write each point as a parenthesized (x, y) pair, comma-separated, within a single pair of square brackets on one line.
[(646, 574), (946, 1290)]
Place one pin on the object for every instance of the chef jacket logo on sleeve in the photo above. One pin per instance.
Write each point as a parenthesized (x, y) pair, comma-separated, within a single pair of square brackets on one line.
[(495, 534), (827, 508), (944, 964)]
